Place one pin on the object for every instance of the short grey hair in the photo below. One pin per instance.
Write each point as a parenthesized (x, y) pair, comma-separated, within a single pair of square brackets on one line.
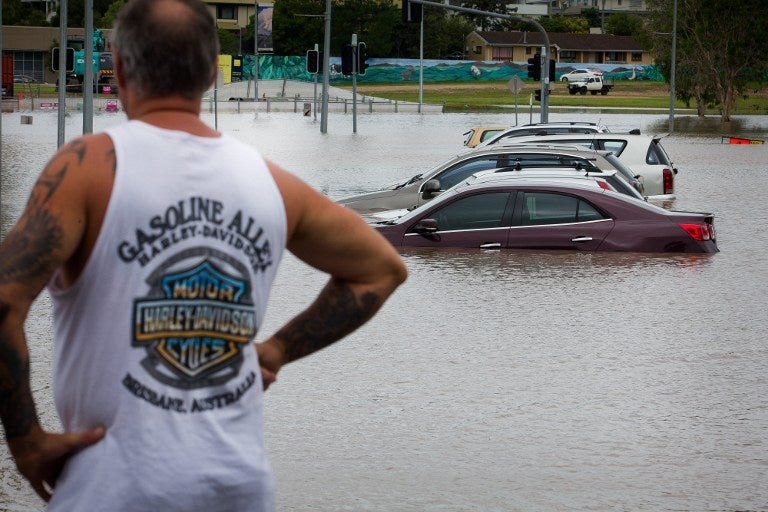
[(165, 55)]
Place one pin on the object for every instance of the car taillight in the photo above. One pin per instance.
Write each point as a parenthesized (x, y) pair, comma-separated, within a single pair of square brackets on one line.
[(700, 232), (604, 184), (669, 181)]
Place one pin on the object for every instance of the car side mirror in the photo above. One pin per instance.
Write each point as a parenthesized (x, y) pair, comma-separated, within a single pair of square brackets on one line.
[(425, 226), (431, 189)]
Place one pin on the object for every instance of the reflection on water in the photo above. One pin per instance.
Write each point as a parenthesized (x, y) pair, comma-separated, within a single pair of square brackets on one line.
[(693, 126), (505, 380)]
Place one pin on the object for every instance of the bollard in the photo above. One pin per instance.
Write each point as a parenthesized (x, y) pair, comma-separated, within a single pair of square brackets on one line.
[(307, 108)]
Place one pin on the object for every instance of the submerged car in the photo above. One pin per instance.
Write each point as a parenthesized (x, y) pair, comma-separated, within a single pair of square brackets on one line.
[(549, 213), (539, 129), (480, 134), (643, 154), (412, 192)]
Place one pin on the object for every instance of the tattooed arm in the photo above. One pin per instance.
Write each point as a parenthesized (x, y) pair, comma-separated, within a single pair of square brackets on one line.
[(53, 228), (364, 268)]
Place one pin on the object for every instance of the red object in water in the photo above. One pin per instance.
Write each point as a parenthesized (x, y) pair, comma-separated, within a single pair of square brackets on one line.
[(743, 140)]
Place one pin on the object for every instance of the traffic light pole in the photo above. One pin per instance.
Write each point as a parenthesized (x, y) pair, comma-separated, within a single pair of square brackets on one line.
[(314, 92), (62, 71), (354, 83), (544, 62)]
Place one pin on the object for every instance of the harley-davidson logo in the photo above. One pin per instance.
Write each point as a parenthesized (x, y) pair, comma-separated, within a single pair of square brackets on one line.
[(194, 325)]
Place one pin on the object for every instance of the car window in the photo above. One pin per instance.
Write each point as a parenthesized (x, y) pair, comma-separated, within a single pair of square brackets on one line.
[(619, 166), (478, 211), (615, 146), (463, 170), (656, 155), (488, 134), (622, 186), (541, 208)]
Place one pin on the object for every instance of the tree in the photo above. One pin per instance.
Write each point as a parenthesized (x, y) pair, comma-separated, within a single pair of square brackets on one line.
[(564, 24), (622, 24), (593, 17), (16, 12), (487, 22), (718, 42), (108, 19), (296, 26), (229, 42)]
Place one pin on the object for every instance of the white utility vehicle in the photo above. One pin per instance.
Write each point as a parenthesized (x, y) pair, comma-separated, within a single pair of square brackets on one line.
[(594, 84)]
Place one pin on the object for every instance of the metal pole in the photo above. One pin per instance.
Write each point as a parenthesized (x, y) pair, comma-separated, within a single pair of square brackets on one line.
[(544, 86), (1, 115), (88, 70), (256, 55), (326, 57), (354, 83), (62, 69), (421, 61), (672, 69), (314, 93)]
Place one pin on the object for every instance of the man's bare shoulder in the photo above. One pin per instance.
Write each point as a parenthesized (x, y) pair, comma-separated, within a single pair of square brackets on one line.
[(87, 153)]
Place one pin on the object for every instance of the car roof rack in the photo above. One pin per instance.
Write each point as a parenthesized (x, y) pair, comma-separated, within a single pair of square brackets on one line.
[(563, 123)]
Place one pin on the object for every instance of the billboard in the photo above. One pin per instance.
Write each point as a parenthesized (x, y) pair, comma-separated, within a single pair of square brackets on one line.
[(264, 27)]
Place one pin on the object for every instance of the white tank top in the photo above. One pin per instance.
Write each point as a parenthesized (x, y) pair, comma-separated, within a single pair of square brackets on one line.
[(155, 339)]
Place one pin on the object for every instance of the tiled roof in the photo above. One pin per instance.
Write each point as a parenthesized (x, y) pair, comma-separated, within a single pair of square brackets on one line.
[(573, 42)]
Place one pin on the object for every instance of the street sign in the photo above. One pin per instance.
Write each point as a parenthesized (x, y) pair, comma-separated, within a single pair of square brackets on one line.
[(515, 84)]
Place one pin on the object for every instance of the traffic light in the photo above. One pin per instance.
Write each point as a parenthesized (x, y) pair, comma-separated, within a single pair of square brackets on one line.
[(362, 55), (412, 13), (537, 95), (70, 59), (347, 58), (551, 70), (314, 61), (534, 67)]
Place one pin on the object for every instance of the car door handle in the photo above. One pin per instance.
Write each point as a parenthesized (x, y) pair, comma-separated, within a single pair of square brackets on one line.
[(582, 239), (491, 245)]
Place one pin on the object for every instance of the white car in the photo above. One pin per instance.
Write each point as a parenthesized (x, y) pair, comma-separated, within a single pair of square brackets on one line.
[(643, 154), (580, 74), (539, 129)]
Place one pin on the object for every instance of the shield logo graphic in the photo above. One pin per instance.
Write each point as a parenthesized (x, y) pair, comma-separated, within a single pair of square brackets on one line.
[(194, 325)]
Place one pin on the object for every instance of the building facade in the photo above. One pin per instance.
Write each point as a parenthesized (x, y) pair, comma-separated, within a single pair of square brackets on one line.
[(519, 46)]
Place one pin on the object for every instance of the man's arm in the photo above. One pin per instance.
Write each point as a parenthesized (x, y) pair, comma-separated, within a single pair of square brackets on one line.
[(49, 231), (364, 267)]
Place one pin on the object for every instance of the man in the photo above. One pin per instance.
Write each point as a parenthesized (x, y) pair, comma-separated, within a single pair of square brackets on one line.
[(159, 241)]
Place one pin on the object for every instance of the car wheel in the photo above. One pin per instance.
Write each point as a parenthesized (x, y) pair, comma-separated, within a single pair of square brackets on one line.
[(564, 79), (572, 90), (583, 91)]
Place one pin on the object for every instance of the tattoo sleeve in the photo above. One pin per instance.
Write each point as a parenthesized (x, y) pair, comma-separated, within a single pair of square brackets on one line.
[(27, 259), (17, 409), (337, 312)]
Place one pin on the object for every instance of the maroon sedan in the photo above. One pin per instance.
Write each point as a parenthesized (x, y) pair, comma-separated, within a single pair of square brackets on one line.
[(543, 213)]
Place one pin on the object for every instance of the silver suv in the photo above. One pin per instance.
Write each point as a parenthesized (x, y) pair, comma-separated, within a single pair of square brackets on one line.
[(414, 191), (643, 154), (541, 129)]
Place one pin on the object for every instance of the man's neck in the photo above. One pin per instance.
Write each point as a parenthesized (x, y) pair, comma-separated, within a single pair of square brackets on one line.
[(172, 114)]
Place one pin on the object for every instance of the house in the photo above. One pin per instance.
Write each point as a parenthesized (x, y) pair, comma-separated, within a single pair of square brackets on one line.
[(519, 46), (575, 7)]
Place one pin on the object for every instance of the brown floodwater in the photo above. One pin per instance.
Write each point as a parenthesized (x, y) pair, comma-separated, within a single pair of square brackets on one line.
[(499, 380)]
